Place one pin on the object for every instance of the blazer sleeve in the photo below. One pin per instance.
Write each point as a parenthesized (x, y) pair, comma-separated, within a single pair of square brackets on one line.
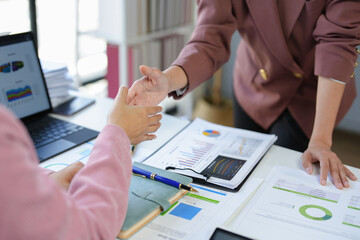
[(33, 206), (209, 46), (337, 33)]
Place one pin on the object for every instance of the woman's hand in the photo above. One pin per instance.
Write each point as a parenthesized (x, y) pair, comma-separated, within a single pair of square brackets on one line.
[(329, 162), (139, 122), (64, 177), (151, 89)]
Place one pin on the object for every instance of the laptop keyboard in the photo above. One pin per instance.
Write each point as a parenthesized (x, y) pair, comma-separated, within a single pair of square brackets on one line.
[(51, 131)]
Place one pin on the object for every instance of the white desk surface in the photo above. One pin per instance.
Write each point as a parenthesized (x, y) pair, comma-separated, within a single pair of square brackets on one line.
[(95, 117)]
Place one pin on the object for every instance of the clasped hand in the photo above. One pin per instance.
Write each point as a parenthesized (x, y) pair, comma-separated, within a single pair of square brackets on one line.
[(151, 89)]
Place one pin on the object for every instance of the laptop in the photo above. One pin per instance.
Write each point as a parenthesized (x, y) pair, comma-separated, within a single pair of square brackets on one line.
[(23, 90)]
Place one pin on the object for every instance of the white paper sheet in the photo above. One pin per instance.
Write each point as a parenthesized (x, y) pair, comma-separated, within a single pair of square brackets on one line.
[(293, 205)]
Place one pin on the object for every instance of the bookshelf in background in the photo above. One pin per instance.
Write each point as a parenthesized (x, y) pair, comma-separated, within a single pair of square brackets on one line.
[(150, 32)]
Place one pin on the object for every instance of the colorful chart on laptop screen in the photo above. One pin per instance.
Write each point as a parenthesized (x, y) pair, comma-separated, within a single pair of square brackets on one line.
[(19, 93), (5, 68), (14, 66), (211, 133)]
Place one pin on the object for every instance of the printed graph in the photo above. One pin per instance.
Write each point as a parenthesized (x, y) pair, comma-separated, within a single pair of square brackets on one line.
[(223, 167), (193, 152), (185, 211), (315, 212), (243, 147), (80, 153), (19, 93), (211, 133)]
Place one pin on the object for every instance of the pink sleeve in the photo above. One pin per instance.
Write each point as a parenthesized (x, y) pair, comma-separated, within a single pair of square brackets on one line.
[(32, 206)]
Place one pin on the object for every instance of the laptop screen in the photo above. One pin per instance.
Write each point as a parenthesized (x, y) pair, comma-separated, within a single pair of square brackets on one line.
[(22, 85)]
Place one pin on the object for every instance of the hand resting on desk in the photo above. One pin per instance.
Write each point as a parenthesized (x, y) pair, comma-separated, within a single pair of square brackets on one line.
[(329, 162)]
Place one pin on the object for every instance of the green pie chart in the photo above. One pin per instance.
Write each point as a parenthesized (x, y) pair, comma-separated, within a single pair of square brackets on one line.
[(327, 214)]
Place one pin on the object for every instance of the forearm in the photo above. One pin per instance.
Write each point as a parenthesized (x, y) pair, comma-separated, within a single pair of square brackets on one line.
[(94, 207), (329, 95), (177, 78), (106, 179)]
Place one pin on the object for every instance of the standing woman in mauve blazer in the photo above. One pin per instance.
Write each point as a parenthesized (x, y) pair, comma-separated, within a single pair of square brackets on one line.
[(293, 74)]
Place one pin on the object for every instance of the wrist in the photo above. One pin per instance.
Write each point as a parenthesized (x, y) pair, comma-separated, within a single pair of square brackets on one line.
[(176, 77), (321, 138)]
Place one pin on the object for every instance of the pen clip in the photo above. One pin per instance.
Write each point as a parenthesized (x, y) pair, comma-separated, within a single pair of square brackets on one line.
[(139, 175)]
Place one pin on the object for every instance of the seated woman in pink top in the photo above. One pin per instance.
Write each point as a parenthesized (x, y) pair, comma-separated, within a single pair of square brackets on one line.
[(78, 202)]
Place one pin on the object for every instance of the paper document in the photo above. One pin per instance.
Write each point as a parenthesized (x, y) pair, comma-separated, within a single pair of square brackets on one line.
[(79, 153), (226, 155), (293, 205), (196, 215)]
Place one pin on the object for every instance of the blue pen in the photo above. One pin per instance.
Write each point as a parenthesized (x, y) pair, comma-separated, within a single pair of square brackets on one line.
[(156, 177)]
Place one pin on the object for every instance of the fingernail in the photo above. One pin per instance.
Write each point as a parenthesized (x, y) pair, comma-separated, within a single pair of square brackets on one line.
[(323, 182), (339, 186), (308, 170), (347, 184)]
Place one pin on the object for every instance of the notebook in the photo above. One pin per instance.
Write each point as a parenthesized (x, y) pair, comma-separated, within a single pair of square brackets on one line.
[(23, 90), (148, 198)]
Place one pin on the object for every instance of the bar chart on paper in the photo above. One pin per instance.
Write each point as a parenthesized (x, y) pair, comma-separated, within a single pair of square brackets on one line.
[(190, 153)]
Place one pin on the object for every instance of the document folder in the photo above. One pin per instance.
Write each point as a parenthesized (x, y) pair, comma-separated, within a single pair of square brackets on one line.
[(148, 198)]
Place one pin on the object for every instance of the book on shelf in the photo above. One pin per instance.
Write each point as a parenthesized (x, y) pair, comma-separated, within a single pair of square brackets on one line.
[(142, 17), (212, 153), (148, 198), (159, 53)]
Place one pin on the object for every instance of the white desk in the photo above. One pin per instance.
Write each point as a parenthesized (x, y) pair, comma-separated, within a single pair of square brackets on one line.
[(95, 116)]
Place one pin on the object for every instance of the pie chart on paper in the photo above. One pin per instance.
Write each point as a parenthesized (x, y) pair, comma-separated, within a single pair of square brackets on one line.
[(211, 133)]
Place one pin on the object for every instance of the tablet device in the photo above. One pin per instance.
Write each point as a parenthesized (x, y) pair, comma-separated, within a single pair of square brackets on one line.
[(220, 234), (73, 106)]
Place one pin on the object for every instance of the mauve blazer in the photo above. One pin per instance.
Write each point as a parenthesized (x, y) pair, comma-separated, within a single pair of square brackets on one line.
[(286, 45)]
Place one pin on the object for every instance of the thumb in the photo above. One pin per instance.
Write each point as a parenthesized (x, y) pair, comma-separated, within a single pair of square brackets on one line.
[(72, 169), (307, 162), (150, 72), (121, 97)]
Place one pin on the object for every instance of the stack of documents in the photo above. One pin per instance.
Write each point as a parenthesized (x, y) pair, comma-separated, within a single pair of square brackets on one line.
[(220, 155), (58, 81)]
